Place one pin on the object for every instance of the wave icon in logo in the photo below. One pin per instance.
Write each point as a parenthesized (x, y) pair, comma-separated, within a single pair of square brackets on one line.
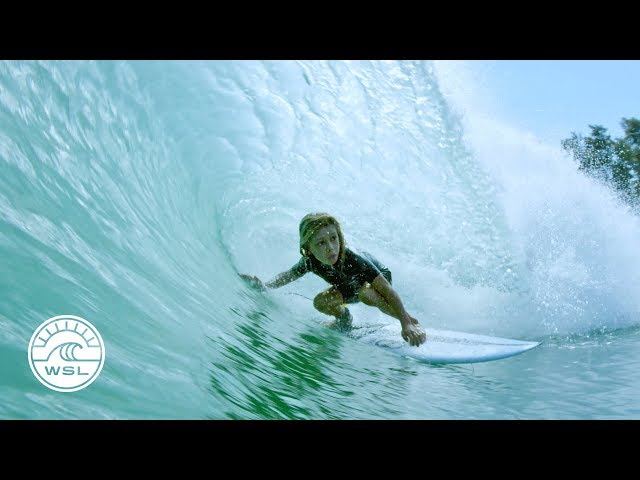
[(66, 353)]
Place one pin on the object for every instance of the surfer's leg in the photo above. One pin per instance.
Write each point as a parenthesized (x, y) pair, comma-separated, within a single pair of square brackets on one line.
[(331, 302), (370, 296)]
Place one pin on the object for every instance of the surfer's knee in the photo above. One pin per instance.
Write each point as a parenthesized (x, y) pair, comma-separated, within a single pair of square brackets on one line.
[(323, 302), (327, 301), (367, 295), (319, 302)]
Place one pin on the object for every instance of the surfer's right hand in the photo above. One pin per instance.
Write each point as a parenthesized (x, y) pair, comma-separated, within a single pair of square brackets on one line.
[(414, 333), (254, 281)]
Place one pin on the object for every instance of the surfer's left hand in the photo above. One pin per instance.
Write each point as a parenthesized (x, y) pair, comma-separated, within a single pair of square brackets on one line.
[(414, 333)]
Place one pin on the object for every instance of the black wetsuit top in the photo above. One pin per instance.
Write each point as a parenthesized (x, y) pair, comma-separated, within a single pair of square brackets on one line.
[(358, 268)]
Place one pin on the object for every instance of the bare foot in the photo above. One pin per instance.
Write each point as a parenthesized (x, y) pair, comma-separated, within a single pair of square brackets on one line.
[(338, 324)]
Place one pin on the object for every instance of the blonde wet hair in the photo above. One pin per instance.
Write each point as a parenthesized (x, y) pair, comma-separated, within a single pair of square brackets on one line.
[(313, 222)]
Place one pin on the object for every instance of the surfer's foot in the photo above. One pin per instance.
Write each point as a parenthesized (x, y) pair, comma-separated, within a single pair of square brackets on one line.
[(342, 321)]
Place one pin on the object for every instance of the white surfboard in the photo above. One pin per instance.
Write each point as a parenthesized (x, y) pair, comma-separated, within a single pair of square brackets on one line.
[(444, 346)]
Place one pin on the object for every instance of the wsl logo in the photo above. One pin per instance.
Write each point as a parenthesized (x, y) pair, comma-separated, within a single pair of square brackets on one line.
[(66, 353)]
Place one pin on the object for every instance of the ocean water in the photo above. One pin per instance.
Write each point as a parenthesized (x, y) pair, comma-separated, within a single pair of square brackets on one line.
[(133, 192)]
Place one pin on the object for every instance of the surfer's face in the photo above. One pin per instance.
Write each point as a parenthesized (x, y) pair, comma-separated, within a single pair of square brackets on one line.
[(325, 245)]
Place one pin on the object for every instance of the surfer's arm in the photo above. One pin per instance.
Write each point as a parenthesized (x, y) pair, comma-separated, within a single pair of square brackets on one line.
[(384, 288), (411, 329), (276, 282), (283, 278), (294, 273)]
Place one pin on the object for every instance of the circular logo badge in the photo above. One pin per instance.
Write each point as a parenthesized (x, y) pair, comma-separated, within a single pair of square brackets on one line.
[(66, 353)]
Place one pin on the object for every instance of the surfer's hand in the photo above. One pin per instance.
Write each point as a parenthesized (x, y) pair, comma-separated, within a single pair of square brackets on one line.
[(254, 282), (414, 333)]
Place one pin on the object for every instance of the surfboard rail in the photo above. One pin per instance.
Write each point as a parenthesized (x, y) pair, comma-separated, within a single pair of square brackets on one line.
[(447, 346)]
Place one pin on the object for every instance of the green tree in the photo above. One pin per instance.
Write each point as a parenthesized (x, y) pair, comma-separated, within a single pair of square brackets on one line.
[(615, 162), (628, 153)]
